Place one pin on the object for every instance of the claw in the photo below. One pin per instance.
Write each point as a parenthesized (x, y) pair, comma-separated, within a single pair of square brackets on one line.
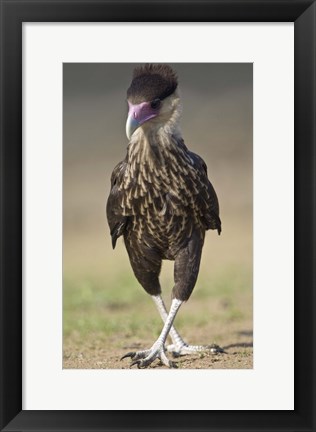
[(136, 362), (215, 349), (129, 354), (144, 358), (164, 359)]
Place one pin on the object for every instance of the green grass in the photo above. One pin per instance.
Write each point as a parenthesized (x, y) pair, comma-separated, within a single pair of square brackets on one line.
[(117, 307)]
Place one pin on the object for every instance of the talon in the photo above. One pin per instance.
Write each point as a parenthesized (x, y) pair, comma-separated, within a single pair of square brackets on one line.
[(144, 358), (129, 354), (215, 349), (136, 362)]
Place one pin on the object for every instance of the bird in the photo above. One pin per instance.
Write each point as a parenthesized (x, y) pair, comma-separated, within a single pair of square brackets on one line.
[(162, 203)]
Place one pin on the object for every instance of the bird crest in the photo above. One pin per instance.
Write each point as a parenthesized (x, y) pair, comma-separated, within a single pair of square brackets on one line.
[(152, 81), (164, 70)]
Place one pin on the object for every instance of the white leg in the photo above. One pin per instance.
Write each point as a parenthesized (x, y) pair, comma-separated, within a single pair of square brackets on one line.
[(176, 338), (179, 347), (145, 358)]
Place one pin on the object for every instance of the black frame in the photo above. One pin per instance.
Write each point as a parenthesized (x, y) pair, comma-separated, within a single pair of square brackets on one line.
[(13, 14)]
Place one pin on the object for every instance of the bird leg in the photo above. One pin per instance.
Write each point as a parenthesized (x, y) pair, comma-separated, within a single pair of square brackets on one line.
[(144, 358), (179, 347), (176, 338)]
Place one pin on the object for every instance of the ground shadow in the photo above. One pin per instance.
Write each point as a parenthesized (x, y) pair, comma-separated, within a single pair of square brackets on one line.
[(239, 345), (245, 333)]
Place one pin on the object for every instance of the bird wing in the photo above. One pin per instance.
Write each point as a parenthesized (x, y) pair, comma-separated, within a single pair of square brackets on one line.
[(207, 200), (117, 220)]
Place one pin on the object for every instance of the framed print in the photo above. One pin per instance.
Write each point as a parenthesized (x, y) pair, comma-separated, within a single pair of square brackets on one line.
[(63, 63)]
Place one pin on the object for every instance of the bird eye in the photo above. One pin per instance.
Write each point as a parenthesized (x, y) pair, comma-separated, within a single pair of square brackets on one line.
[(155, 104)]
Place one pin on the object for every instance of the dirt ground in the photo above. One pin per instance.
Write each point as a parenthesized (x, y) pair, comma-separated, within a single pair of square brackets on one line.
[(236, 339), (237, 356)]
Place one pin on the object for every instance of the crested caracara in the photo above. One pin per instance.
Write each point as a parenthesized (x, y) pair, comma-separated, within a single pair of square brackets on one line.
[(161, 202)]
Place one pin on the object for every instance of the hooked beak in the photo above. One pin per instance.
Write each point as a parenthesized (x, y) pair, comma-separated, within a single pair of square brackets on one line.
[(131, 125), (138, 115)]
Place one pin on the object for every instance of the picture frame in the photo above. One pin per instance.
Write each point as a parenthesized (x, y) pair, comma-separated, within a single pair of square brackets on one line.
[(13, 14)]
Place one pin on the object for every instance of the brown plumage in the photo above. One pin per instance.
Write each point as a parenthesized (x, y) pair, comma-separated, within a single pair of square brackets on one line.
[(161, 200)]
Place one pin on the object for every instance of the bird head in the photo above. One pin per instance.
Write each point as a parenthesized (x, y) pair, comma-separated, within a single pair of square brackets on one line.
[(152, 97)]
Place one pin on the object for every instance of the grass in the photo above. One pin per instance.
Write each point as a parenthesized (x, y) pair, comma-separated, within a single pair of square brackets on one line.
[(116, 307)]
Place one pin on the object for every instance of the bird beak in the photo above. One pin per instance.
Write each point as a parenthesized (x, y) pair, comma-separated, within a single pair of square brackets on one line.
[(131, 125), (137, 115)]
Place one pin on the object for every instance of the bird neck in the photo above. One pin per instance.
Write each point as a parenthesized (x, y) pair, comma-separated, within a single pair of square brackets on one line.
[(152, 147)]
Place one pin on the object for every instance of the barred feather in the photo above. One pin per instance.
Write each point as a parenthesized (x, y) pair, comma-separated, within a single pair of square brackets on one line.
[(161, 200)]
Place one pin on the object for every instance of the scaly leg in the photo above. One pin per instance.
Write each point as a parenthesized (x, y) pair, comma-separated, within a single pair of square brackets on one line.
[(179, 347), (144, 358)]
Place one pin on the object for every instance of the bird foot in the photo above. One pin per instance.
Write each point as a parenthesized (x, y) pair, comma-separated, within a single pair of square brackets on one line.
[(144, 358), (184, 349)]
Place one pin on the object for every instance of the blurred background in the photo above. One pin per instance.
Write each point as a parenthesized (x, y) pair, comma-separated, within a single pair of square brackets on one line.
[(105, 310)]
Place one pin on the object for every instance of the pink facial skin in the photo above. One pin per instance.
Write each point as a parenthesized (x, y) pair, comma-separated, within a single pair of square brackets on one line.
[(142, 112)]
